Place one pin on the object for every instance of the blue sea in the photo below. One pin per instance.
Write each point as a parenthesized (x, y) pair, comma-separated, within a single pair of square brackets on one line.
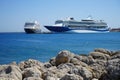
[(21, 46)]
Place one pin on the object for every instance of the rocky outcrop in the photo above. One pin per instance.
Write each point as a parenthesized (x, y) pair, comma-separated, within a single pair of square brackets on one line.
[(8, 72), (101, 64)]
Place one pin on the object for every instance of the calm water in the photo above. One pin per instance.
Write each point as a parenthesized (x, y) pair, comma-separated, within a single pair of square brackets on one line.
[(20, 46)]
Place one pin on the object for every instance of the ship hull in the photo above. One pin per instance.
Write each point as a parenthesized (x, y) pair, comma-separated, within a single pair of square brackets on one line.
[(31, 31), (68, 30)]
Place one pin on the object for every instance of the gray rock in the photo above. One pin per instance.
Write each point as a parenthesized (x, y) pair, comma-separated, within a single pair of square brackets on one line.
[(71, 77), (10, 71), (47, 65), (32, 72), (32, 78), (49, 75), (3, 78), (113, 70), (82, 71), (51, 78), (94, 79), (63, 57), (65, 66), (29, 63)]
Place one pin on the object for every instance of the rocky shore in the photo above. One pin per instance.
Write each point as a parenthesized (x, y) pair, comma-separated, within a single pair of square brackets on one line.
[(101, 64)]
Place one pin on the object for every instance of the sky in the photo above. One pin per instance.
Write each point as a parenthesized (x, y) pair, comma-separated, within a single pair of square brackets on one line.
[(14, 13)]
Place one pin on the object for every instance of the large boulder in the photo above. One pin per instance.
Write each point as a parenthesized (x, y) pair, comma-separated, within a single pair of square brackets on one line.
[(11, 72), (63, 57)]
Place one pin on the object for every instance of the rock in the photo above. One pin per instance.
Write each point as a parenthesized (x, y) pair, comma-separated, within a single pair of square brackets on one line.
[(13, 63), (67, 66), (49, 75), (71, 77), (113, 70), (32, 72), (3, 78), (105, 51), (32, 78), (98, 68), (94, 79), (10, 71), (29, 63), (52, 61), (76, 62), (63, 57), (86, 59), (115, 55), (47, 65), (99, 56), (51, 78), (82, 71), (63, 69)]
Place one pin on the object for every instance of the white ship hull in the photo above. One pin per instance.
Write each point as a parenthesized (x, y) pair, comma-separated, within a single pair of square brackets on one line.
[(85, 31)]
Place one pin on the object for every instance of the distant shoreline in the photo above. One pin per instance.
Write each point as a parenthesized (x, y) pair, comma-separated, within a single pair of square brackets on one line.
[(115, 30)]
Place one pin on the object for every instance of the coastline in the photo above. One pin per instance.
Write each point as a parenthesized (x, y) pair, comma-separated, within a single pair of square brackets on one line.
[(100, 64)]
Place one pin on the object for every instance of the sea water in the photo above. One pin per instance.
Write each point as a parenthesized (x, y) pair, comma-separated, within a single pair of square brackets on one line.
[(21, 46)]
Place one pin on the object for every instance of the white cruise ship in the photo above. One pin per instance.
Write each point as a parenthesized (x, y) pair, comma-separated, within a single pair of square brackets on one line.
[(32, 27), (84, 26)]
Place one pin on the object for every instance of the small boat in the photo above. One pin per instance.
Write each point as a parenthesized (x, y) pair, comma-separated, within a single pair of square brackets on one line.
[(70, 25), (32, 27)]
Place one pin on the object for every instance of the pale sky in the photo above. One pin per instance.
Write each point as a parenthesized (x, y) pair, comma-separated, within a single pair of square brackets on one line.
[(14, 13)]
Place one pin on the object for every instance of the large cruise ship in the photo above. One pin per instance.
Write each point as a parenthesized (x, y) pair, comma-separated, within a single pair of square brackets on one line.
[(87, 25), (32, 27)]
